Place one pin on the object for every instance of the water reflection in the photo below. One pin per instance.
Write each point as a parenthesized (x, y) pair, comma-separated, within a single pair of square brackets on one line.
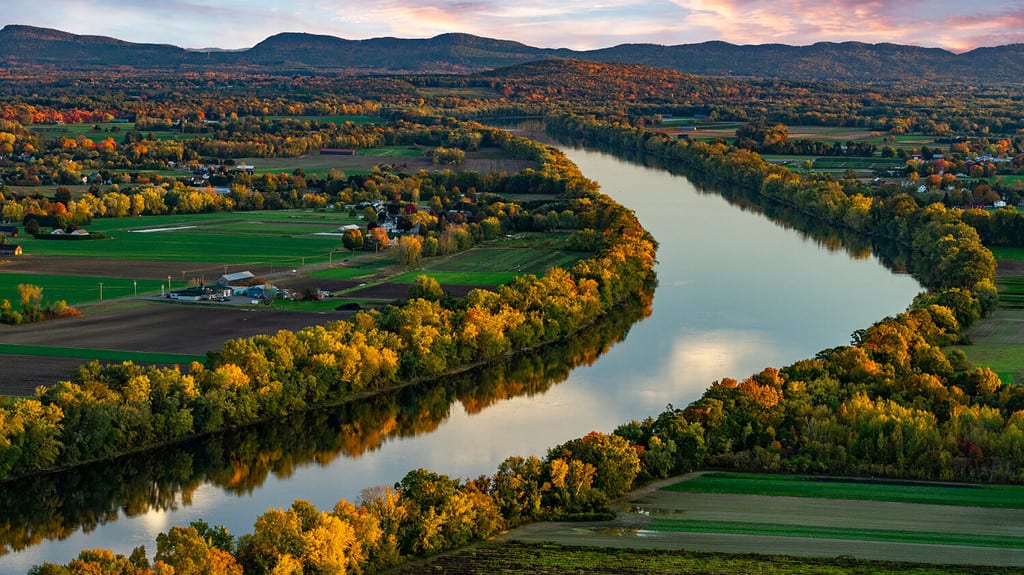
[(57, 505)]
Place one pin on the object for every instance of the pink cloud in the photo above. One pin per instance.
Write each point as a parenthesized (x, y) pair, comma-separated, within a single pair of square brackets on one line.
[(804, 22)]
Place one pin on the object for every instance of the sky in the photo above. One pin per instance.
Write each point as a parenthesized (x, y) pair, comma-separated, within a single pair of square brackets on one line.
[(956, 25)]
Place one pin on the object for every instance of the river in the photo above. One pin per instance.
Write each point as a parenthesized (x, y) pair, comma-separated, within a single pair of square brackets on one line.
[(737, 292)]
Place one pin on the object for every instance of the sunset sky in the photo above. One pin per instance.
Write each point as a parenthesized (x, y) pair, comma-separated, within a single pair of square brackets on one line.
[(955, 25)]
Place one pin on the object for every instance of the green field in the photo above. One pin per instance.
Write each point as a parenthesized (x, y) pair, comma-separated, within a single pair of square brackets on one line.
[(458, 278), (506, 558), (392, 152), (783, 530), (343, 272), (74, 289), (109, 129), (996, 496), (251, 238), (100, 354), (524, 260), (851, 163), (1003, 253), (331, 119), (996, 342)]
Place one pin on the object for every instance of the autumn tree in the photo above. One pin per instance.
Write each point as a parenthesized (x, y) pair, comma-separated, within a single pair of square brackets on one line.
[(352, 239), (407, 250)]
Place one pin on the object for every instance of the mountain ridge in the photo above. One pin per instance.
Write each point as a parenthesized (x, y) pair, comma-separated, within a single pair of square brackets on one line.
[(850, 61)]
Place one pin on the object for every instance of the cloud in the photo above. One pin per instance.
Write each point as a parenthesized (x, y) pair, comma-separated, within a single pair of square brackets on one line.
[(941, 23)]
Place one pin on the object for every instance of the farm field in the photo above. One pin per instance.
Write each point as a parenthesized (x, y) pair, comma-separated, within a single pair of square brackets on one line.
[(998, 496), (76, 289), (501, 558), (143, 327), (995, 341), (408, 159), (242, 238), (331, 119), (148, 255), (106, 130), (656, 518), (520, 260)]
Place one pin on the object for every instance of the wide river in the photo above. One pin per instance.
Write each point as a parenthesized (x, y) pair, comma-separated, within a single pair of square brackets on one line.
[(736, 293)]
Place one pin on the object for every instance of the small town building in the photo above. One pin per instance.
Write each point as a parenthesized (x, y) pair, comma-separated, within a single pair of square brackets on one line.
[(9, 231), (235, 278)]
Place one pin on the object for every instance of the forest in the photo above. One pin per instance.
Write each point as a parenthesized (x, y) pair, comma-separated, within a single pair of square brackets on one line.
[(895, 403)]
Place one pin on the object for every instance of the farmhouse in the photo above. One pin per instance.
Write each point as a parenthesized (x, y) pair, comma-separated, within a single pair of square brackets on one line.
[(9, 231), (10, 250)]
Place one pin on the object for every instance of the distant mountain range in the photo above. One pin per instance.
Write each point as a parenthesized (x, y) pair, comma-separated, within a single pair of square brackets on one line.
[(28, 46)]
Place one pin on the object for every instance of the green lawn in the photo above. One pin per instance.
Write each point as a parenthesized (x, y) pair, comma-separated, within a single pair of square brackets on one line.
[(100, 354), (997, 496), (780, 530)]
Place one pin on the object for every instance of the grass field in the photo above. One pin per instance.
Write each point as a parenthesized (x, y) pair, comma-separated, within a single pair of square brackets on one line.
[(392, 152), (74, 289), (524, 260), (851, 163), (1004, 253), (782, 530), (99, 354), (505, 558), (254, 238), (461, 278), (996, 342), (997, 496), (109, 130), (343, 272), (331, 119), (795, 516)]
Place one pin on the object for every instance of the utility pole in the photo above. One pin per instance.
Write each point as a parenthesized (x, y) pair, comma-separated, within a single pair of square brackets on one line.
[(101, 291), (135, 284)]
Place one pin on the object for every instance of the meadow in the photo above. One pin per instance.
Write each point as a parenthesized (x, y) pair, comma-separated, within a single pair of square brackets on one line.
[(76, 289), (277, 239), (103, 130), (502, 558), (100, 354), (996, 496)]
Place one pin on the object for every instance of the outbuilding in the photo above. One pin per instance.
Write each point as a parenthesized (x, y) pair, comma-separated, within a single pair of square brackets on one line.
[(10, 250), (235, 278)]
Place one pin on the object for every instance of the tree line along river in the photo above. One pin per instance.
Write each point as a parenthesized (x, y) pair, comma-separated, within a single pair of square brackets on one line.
[(737, 292)]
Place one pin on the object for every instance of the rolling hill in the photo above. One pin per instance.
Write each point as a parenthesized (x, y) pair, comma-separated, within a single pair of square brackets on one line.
[(27, 46)]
